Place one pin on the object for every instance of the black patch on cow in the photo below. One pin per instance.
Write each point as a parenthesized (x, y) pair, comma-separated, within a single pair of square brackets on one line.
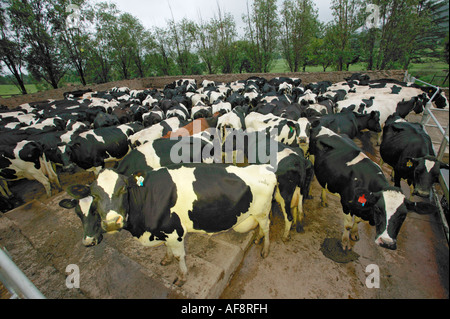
[(31, 153), (221, 198), (150, 206)]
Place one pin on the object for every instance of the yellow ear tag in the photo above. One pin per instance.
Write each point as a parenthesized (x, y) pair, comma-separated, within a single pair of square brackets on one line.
[(409, 164)]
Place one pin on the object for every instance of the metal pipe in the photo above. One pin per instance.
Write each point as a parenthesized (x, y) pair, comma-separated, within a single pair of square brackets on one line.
[(15, 280)]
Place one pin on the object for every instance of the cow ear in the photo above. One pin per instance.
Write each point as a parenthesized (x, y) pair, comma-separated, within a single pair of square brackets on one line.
[(421, 208), (78, 191), (68, 203), (443, 165)]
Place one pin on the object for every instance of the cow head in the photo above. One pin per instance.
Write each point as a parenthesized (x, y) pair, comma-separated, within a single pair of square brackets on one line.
[(387, 210), (85, 209), (439, 99), (370, 121), (102, 207), (426, 172)]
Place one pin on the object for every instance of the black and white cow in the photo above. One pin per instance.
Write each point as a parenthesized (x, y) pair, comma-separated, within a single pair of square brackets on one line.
[(287, 131), (21, 158), (91, 149), (341, 167), (351, 123), (409, 150), (294, 172), (156, 131), (163, 205)]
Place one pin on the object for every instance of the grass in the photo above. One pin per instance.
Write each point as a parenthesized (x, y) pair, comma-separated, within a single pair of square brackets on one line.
[(431, 72), (7, 90)]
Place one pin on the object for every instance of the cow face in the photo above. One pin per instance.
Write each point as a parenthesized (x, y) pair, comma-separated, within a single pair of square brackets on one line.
[(110, 193), (426, 173), (86, 211), (387, 210)]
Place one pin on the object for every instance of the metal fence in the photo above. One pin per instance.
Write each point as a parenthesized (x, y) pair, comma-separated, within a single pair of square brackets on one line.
[(428, 115), (15, 280)]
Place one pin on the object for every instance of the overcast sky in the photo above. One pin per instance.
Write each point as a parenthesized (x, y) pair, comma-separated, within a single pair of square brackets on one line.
[(157, 12)]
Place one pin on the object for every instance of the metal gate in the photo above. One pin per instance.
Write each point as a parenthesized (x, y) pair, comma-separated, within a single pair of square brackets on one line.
[(428, 115)]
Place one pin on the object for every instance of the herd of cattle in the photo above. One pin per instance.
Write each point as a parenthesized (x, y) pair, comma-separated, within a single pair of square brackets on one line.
[(309, 130)]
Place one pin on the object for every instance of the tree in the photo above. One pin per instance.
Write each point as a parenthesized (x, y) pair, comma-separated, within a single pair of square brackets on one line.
[(74, 37), (32, 20), (346, 20), (262, 30), (299, 25), (12, 50)]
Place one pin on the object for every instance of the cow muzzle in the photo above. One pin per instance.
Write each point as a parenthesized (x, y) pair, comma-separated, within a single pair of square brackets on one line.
[(421, 193), (91, 241), (113, 222), (386, 242)]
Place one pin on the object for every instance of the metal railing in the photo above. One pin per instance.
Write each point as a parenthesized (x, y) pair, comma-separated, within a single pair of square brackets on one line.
[(443, 176), (15, 280)]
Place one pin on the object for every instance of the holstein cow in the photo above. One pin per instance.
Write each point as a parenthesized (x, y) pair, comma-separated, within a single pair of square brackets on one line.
[(341, 167), (163, 205), (409, 150), (287, 131), (22, 158), (91, 149), (294, 172), (351, 123)]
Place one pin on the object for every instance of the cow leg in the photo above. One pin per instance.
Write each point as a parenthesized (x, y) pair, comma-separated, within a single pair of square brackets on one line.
[(297, 210), (264, 225), (354, 234), (177, 249), (4, 189), (323, 198), (287, 224), (49, 172), (168, 258), (347, 244)]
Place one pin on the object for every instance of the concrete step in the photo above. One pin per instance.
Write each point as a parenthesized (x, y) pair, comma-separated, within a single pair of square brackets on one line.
[(43, 239)]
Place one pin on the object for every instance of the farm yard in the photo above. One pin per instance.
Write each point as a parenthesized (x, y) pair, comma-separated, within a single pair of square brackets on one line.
[(237, 150), (44, 238)]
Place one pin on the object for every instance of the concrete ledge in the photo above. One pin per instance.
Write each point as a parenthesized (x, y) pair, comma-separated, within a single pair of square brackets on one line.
[(44, 239)]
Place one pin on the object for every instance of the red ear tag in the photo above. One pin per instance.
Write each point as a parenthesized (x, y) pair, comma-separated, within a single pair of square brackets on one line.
[(362, 199)]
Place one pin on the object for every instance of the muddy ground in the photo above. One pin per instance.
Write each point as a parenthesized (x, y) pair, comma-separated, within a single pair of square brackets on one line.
[(419, 268)]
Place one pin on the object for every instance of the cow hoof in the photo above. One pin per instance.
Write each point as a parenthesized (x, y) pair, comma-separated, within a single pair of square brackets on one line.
[(286, 239), (179, 281), (264, 253), (166, 260), (355, 238), (299, 229), (323, 204)]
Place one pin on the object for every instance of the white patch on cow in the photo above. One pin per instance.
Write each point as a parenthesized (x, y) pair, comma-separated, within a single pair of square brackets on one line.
[(186, 196), (326, 131), (91, 133), (357, 159), (429, 165), (303, 123), (107, 181), (392, 201), (145, 240), (149, 153), (85, 204)]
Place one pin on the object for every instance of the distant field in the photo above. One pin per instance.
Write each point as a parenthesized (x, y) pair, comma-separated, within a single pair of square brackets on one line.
[(6, 90), (431, 72)]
